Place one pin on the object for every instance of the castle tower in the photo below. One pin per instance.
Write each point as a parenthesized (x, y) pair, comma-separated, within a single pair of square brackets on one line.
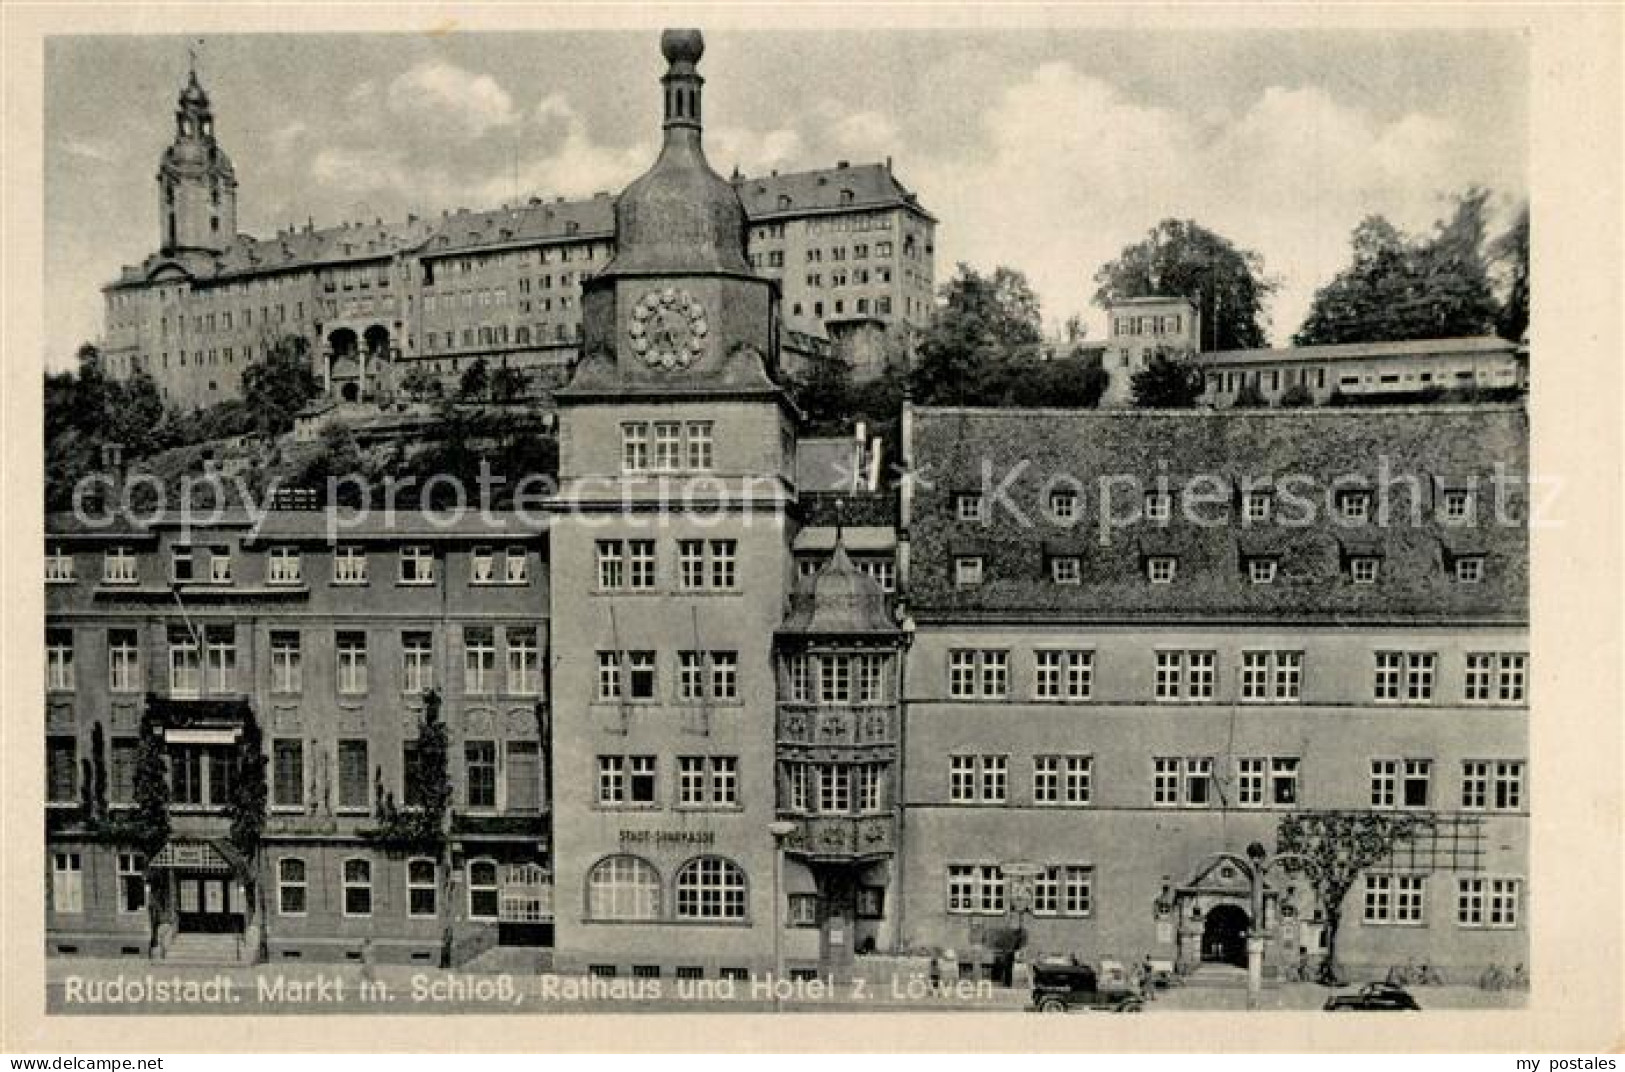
[(671, 570), (197, 186)]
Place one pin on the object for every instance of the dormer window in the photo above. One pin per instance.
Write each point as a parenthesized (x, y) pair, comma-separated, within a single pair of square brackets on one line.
[(1257, 505), (1063, 505), (1354, 505), (967, 570), (417, 566), (1458, 504), (1261, 570), (1066, 569), (180, 565), (1363, 569), (1469, 569), (968, 506), (1160, 569), (1159, 506)]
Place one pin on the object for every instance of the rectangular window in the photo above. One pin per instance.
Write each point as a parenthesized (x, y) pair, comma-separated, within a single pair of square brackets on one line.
[(1062, 780), (724, 676), (221, 644), (516, 566), (611, 564), (690, 675), (871, 678), (1063, 505), (834, 679), (1182, 781), (981, 779), (1419, 677), (1363, 569), (1063, 675), (1457, 505), (355, 780), (357, 887), (978, 674), (121, 789), (119, 566), (185, 665), (1487, 902), (1257, 505), (691, 563), (640, 675), (351, 648), (634, 448), (967, 570), (480, 770), (482, 565), (1395, 899), (417, 662), (1261, 570), (1511, 672), (421, 889), (798, 669), (417, 565), (975, 889), (724, 555), (1271, 676), (1161, 569), (67, 883), (287, 772), (61, 770), (1354, 505), (641, 562), (524, 776), (349, 565), (219, 565), (1066, 569), (668, 441), (132, 882), (58, 565), (524, 663), (1158, 506), (698, 445), (59, 675), (284, 566), (1469, 569), (479, 660), (609, 675), (1187, 675), (287, 674), (123, 661), (968, 506)]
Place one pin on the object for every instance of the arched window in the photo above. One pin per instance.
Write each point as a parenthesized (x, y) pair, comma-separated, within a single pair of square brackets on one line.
[(710, 887), (483, 899), (623, 887), (290, 886)]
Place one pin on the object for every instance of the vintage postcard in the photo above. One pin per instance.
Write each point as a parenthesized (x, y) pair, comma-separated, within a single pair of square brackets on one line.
[(1006, 527)]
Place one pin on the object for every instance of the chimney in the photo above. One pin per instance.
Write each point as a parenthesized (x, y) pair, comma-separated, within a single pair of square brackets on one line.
[(888, 165), (842, 164)]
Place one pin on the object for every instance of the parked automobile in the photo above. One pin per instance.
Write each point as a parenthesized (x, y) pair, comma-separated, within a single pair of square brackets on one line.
[(1060, 986), (1374, 996)]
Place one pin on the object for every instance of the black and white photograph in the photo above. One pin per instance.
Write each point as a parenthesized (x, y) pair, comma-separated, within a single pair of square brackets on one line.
[(1027, 524)]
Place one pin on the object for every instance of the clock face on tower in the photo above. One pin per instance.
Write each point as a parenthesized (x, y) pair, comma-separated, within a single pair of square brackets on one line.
[(668, 328)]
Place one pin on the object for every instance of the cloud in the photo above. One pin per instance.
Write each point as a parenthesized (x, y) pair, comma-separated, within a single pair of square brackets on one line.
[(448, 95), (864, 132), (1073, 168), (90, 150)]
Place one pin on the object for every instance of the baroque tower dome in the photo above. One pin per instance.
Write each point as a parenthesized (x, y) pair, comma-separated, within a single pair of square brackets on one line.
[(680, 216)]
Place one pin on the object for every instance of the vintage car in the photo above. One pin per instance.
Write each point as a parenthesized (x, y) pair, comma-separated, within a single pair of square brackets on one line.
[(1390, 997), (1063, 985)]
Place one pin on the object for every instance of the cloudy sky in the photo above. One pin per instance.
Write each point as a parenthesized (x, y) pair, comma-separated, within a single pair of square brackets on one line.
[(1044, 150)]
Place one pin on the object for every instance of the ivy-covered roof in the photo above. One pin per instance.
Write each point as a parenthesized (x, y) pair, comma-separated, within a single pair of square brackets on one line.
[(1404, 459)]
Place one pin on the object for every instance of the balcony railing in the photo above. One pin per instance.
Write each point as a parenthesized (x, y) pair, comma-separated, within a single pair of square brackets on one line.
[(846, 724), (844, 837)]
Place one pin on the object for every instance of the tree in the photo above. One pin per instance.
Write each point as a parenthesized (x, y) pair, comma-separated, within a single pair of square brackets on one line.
[(825, 396), (249, 795), (986, 325), (509, 384), (1296, 397), (1168, 381), (1331, 849), (1397, 287), (1181, 257), (421, 385), (422, 825), (1250, 397), (1509, 262), (146, 828), (476, 381), (280, 384)]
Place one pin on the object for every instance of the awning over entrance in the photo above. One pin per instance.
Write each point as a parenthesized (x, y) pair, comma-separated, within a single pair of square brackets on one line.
[(200, 736), (193, 856)]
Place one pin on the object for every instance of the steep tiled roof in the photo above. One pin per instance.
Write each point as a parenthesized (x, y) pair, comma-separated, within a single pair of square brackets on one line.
[(536, 221), (1354, 351), (1306, 455), (872, 186)]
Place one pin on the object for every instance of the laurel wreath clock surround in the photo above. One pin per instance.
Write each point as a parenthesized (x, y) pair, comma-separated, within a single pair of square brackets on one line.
[(668, 328)]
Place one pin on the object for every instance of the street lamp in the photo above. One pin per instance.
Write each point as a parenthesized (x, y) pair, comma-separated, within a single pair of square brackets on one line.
[(781, 831)]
